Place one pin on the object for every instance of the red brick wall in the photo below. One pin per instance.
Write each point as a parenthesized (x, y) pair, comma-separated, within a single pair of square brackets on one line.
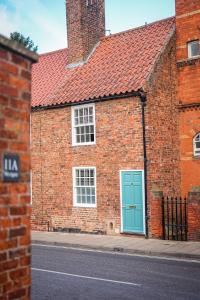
[(85, 27), (162, 136), (194, 215), (190, 165), (188, 90), (186, 6), (15, 197), (118, 147)]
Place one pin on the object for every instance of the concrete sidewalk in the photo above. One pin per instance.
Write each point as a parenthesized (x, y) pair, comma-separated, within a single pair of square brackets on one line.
[(125, 244)]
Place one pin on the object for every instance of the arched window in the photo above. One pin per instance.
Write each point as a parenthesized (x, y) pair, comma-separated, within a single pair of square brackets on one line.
[(196, 145)]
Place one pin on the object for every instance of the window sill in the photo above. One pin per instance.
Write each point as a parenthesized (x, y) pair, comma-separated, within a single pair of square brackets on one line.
[(83, 144), (196, 157), (190, 61), (84, 206)]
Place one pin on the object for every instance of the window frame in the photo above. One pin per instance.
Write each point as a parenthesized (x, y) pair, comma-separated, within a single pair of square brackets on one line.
[(86, 205), (74, 143), (195, 149), (189, 49)]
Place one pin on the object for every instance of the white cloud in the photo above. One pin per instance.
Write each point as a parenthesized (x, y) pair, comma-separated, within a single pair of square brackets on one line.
[(35, 19), (6, 26)]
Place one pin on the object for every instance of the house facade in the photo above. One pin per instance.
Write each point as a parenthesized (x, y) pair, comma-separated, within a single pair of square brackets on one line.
[(105, 127)]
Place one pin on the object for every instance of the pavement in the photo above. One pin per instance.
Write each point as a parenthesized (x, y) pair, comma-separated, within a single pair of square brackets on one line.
[(124, 244)]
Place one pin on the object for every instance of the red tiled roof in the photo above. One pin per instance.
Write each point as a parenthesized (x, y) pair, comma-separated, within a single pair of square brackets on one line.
[(121, 63), (47, 74)]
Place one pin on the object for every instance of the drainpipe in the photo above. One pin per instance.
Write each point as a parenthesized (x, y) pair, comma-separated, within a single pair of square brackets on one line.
[(143, 99)]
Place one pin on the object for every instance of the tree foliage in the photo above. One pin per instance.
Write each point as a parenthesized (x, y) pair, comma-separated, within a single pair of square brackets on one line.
[(25, 41)]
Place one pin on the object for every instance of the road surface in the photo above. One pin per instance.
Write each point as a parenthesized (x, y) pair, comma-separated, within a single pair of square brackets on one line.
[(60, 273)]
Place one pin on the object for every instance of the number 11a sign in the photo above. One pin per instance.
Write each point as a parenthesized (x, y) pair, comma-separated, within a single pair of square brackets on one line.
[(11, 172)]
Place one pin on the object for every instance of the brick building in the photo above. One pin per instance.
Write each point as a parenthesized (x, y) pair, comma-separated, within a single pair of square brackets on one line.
[(188, 96), (105, 125), (15, 76)]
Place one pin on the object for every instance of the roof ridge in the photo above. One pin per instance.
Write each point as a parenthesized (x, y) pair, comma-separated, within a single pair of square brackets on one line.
[(52, 52), (136, 28)]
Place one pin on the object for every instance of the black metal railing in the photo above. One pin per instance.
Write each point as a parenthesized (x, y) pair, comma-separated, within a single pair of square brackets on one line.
[(174, 218)]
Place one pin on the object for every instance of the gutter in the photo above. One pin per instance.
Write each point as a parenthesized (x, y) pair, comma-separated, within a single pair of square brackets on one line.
[(143, 99), (87, 101)]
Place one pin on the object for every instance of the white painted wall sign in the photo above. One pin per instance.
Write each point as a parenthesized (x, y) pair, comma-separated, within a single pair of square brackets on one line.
[(11, 169)]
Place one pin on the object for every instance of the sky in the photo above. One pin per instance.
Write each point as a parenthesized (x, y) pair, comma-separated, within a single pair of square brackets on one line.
[(45, 20)]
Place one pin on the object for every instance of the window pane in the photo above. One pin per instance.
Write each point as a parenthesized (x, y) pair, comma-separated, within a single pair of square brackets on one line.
[(76, 121), (92, 129), (78, 199), (198, 145), (87, 181), (85, 115), (77, 181), (91, 119), (90, 110), (82, 139), (92, 137), (76, 113), (197, 139), (88, 191), (82, 130), (87, 139), (193, 48), (87, 172), (87, 129), (78, 139)]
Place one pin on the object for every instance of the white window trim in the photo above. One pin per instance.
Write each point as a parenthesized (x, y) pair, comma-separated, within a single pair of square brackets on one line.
[(73, 125), (189, 49), (75, 204), (194, 146)]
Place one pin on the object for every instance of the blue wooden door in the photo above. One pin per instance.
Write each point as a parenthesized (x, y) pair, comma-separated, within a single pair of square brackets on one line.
[(132, 202)]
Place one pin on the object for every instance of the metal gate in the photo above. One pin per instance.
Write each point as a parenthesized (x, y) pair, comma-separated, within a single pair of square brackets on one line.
[(174, 218)]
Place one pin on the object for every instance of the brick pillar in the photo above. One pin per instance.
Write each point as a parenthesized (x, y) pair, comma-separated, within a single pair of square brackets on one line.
[(155, 217), (15, 67), (194, 216)]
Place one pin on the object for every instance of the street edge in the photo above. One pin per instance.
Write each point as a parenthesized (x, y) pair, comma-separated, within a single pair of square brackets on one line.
[(121, 250)]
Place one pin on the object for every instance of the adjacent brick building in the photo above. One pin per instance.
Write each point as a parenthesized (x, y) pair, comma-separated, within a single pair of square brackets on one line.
[(105, 127), (188, 96), (15, 76)]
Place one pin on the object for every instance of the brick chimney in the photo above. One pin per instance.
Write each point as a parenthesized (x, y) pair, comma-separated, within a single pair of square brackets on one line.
[(85, 27)]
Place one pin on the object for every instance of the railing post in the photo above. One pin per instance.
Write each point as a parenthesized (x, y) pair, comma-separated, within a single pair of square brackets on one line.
[(177, 226), (172, 217), (163, 218), (167, 218), (186, 229), (181, 218)]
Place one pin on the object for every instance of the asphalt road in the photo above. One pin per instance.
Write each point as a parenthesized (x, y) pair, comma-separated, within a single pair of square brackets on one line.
[(69, 274)]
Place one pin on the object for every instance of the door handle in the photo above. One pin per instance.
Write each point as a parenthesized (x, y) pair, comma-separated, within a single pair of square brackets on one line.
[(132, 206), (129, 206)]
